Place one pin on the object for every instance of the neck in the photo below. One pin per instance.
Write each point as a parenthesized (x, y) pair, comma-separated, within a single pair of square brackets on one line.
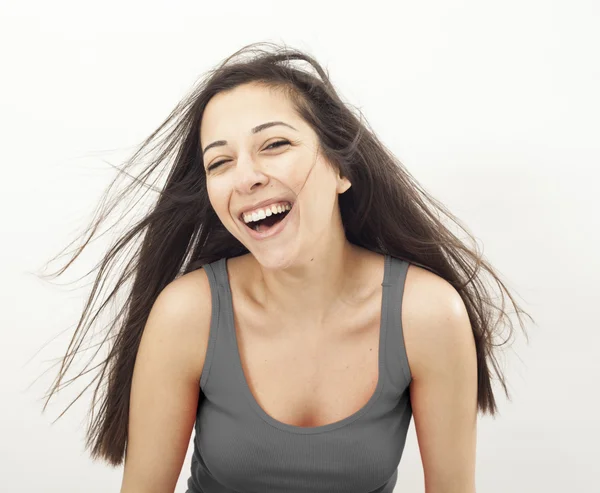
[(310, 292)]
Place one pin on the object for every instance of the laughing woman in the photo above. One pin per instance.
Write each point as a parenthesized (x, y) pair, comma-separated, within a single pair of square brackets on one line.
[(295, 301)]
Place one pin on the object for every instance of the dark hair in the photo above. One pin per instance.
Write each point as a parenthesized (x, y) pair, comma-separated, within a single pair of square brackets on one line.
[(385, 211)]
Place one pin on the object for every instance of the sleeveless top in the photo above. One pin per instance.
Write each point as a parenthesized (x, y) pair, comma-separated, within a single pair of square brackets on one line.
[(239, 448)]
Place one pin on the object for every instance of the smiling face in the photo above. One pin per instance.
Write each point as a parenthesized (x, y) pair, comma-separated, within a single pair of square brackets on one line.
[(249, 160)]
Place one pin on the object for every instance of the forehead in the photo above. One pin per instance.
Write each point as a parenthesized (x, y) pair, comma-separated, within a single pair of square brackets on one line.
[(242, 108)]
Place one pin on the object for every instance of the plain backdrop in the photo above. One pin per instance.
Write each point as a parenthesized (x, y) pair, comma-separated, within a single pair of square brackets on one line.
[(493, 106)]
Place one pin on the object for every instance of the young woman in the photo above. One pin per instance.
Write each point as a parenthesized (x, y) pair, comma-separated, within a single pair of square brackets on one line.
[(296, 300)]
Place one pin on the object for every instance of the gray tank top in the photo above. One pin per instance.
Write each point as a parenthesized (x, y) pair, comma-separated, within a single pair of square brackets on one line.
[(239, 448)]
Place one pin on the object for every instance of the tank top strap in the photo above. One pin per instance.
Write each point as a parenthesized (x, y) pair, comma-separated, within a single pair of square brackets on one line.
[(216, 272), (396, 356)]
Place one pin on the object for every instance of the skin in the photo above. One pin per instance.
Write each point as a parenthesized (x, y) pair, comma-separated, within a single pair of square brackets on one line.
[(310, 263), (306, 264)]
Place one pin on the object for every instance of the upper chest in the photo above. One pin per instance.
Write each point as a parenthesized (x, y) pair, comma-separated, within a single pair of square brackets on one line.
[(306, 377), (310, 381)]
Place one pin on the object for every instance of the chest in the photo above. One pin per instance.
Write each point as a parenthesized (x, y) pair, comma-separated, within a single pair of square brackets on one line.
[(303, 378)]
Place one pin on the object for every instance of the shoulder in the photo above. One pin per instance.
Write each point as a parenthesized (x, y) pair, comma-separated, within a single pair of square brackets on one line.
[(193, 286), (435, 321), (180, 319)]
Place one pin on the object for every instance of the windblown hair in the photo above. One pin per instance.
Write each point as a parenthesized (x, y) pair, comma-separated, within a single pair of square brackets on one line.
[(385, 210)]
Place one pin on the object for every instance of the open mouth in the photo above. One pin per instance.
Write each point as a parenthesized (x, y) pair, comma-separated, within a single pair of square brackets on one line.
[(264, 225)]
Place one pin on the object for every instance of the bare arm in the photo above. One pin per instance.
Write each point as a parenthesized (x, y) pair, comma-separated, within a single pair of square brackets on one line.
[(444, 387), (165, 387)]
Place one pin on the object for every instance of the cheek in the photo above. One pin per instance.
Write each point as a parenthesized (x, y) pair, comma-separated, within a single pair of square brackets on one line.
[(316, 186), (219, 199), (304, 178)]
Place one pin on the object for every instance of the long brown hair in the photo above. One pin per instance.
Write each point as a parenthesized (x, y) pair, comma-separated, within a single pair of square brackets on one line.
[(385, 211)]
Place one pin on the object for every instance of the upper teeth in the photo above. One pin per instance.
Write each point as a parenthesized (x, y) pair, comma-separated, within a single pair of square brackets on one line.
[(259, 214)]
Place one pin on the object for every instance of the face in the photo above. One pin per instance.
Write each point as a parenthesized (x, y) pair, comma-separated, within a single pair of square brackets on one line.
[(255, 163)]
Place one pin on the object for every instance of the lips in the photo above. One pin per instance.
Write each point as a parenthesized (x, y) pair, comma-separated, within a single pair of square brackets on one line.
[(273, 231)]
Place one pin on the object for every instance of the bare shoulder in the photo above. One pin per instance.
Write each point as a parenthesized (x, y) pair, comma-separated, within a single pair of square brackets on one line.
[(167, 371), (434, 319), (181, 318), (443, 360)]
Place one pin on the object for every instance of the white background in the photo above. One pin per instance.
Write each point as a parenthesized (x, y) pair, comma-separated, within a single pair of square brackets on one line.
[(493, 106)]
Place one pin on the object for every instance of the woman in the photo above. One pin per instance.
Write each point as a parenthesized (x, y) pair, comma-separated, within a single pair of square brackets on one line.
[(296, 301)]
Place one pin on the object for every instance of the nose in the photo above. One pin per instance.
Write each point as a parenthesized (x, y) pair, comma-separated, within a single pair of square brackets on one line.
[(248, 175)]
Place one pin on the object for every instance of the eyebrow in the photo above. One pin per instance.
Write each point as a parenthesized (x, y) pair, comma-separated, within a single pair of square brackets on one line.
[(255, 130)]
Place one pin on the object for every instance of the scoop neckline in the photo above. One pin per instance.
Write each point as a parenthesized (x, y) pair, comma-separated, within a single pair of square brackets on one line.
[(336, 424)]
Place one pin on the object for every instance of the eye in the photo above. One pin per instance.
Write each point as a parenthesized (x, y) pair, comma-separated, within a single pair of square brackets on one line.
[(278, 143), (215, 165)]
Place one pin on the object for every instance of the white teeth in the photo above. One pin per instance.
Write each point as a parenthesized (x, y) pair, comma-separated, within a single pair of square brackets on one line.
[(259, 214)]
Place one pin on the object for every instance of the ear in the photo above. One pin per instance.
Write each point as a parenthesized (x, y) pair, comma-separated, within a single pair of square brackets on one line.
[(343, 184)]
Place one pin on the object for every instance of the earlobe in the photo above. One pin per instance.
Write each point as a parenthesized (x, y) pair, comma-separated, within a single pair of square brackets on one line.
[(344, 185)]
